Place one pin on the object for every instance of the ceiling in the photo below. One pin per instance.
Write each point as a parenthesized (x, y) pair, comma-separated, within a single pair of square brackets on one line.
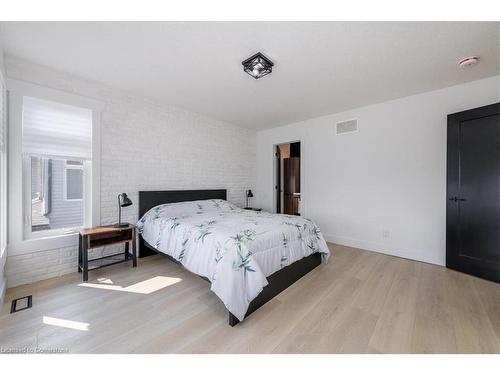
[(320, 67)]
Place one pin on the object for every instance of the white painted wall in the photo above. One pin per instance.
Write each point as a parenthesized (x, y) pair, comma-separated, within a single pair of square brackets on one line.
[(388, 177), (145, 146)]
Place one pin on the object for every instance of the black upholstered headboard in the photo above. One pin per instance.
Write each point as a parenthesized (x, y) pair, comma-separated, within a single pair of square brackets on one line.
[(150, 199)]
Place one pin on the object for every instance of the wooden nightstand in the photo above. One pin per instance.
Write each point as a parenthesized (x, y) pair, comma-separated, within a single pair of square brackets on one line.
[(91, 238)]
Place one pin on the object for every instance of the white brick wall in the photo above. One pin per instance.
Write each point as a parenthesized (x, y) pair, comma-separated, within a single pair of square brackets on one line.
[(145, 146)]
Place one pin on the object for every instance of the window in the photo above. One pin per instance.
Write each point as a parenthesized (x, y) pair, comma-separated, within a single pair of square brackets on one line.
[(57, 187), (74, 181), (50, 130), (57, 151)]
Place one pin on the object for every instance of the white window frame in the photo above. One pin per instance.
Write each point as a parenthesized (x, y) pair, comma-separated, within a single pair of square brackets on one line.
[(21, 239), (3, 179), (65, 180)]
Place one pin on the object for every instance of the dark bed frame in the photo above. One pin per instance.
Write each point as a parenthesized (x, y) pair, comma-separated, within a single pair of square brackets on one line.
[(277, 282)]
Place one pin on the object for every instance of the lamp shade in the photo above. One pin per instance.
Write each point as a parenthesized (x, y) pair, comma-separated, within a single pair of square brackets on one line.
[(249, 194), (125, 200)]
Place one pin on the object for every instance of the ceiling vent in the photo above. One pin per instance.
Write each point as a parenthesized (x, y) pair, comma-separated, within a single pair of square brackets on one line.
[(346, 127)]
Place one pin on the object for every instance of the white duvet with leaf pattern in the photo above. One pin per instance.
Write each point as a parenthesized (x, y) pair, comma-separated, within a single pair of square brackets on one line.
[(235, 249)]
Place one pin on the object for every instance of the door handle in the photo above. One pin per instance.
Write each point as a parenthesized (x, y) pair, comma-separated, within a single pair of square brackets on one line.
[(456, 199)]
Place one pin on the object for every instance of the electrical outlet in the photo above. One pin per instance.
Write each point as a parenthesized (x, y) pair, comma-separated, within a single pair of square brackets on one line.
[(386, 233)]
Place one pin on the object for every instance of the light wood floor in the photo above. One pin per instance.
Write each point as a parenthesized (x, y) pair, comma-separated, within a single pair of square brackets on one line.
[(361, 302)]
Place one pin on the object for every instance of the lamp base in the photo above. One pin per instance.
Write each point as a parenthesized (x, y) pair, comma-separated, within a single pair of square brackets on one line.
[(121, 225)]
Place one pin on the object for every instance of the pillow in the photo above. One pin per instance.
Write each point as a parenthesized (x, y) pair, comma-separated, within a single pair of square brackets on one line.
[(190, 208)]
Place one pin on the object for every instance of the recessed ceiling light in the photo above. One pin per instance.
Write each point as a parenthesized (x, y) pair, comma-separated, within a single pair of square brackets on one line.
[(258, 65), (468, 61)]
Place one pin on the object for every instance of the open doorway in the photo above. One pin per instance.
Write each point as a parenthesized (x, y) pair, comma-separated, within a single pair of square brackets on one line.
[(288, 178)]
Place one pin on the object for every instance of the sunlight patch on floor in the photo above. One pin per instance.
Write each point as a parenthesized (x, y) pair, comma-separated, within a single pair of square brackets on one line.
[(105, 280), (144, 287), (64, 323)]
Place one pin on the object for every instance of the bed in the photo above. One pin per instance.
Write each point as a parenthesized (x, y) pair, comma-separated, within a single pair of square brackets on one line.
[(247, 256)]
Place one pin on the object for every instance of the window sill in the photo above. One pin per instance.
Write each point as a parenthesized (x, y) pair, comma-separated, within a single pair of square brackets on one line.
[(43, 244), (51, 233)]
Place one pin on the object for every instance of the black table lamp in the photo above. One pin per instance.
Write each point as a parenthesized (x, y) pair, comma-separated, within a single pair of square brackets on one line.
[(249, 195), (123, 201)]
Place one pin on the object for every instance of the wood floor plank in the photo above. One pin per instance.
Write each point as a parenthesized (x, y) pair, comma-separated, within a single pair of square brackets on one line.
[(371, 296), (474, 333), (312, 334), (473, 328), (363, 265), (433, 331), (393, 331), (489, 294)]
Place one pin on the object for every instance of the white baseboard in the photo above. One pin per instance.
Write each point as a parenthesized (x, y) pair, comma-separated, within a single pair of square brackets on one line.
[(378, 248)]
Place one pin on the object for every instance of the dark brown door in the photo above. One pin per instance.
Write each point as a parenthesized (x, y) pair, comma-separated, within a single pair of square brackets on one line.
[(291, 185), (473, 192)]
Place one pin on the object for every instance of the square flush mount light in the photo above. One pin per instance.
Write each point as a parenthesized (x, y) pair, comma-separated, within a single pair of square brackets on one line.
[(258, 65)]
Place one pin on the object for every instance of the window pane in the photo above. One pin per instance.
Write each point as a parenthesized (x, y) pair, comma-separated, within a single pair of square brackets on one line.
[(49, 208), (74, 183)]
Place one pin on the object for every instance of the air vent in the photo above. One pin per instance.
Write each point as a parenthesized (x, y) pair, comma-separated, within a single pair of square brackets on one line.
[(345, 127), (21, 304)]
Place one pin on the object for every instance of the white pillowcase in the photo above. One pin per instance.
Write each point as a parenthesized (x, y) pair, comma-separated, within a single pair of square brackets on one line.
[(181, 209)]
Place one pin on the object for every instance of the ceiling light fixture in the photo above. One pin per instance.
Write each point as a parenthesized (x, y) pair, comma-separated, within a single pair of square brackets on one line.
[(468, 61), (258, 65)]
